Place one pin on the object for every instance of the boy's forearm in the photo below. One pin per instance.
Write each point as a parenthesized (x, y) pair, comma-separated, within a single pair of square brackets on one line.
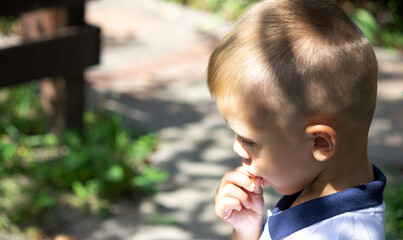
[(255, 235)]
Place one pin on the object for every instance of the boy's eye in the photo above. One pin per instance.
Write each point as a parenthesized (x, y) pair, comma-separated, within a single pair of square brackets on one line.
[(247, 143)]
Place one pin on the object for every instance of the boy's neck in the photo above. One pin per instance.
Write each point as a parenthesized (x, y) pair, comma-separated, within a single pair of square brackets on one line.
[(346, 174)]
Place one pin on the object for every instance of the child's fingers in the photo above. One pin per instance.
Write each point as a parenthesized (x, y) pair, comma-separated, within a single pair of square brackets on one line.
[(233, 191), (226, 206), (257, 181), (239, 179)]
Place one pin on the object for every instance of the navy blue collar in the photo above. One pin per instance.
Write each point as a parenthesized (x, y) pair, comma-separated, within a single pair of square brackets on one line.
[(286, 221)]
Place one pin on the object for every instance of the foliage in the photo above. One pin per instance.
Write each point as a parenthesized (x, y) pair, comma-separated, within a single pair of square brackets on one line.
[(40, 172), (380, 21), (394, 204), (6, 25), (228, 9), (372, 29), (367, 23), (387, 12)]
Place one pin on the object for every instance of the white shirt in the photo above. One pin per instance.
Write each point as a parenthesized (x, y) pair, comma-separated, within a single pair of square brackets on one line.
[(367, 223), (355, 213)]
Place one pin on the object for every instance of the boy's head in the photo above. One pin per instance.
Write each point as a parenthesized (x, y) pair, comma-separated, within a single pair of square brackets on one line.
[(297, 59), (293, 73)]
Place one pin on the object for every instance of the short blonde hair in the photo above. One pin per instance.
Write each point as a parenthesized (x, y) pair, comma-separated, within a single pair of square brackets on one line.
[(302, 57)]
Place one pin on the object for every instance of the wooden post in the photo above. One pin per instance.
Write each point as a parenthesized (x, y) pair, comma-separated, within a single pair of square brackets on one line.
[(57, 46), (75, 97), (62, 97), (53, 99)]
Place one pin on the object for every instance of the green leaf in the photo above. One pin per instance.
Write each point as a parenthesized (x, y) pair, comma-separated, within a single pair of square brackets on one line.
[(149, 176), (90, 118), (122, 140), (71, 138), (115, 173), (7, 151), (79, 190), (50, 140), (367, 23), (45, 200), (5, 222), (74, 159), (93, 186), (142, 148)]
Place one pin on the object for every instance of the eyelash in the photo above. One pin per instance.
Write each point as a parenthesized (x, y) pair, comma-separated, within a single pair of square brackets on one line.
[(246, 142)]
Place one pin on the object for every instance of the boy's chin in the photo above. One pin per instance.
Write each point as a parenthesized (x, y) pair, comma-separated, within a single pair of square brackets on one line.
[(286, 191)]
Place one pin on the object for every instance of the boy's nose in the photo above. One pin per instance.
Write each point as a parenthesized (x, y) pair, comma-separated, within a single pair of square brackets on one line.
[(240, 150)]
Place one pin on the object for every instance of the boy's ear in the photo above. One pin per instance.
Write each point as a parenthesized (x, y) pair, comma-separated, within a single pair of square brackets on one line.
[(324, 141)]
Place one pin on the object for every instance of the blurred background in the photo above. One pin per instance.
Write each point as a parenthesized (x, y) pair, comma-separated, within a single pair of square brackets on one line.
[(107, 129)]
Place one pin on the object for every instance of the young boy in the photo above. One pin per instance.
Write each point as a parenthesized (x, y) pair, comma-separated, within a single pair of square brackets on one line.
[(296, 81)]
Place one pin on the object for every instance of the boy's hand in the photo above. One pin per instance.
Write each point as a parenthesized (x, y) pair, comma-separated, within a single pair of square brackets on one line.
[(239, 202)]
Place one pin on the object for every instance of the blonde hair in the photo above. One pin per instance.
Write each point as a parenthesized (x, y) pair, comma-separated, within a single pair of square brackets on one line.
[(302, 58)]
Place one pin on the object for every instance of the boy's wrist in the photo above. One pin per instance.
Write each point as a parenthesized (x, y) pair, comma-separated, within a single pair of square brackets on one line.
[(251, 234)]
